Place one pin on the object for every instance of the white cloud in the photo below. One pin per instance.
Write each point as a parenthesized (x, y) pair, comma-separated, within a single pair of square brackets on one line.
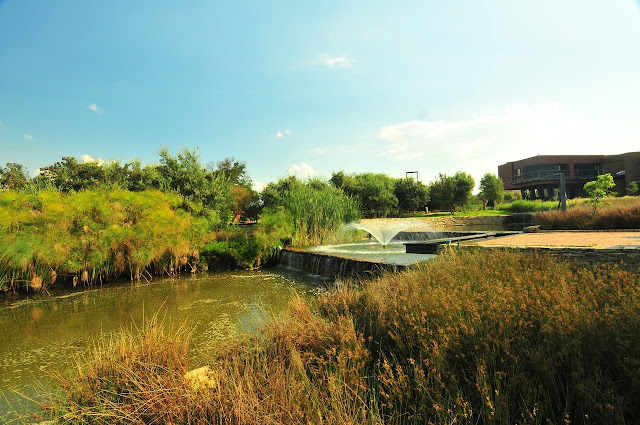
[(281, 134), (87, 159), (28, 137), (322, 150), (479, 145), (336, 62), (257, 186), (95, 108), (302, 171)]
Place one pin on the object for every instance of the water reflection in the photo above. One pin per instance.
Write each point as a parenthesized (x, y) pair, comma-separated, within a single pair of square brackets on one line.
[(41, 334)]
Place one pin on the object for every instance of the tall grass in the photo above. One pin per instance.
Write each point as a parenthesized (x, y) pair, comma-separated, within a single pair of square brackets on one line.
[(318, 211), (94, 235), (617, 213), (481, 338)]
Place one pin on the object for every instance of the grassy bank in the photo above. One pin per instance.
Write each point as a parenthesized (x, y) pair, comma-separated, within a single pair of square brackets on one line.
[(617, 213), (95, 235), (467, 338)]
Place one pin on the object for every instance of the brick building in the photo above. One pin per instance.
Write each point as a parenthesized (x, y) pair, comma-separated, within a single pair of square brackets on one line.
[(538, 177)]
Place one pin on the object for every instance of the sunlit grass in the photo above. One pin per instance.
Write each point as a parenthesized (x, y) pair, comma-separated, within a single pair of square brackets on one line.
[(483, 338)]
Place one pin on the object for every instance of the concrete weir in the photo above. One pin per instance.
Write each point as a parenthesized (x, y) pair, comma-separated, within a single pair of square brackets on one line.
[(334, 266), (369, 259)]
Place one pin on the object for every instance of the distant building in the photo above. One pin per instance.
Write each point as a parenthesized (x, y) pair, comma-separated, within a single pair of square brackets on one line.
[(538, 177)]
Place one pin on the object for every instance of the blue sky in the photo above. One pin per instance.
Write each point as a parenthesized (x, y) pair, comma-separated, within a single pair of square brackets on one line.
[(317, 87)]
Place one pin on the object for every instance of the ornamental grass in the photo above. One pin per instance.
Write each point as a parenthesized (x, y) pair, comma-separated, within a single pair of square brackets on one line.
[(470, 338)]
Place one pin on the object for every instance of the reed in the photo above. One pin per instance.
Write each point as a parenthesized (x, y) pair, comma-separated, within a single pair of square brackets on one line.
[(481, 338), (318, 212)]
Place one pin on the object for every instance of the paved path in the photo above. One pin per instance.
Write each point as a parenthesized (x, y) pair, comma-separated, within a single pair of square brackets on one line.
[(569, 238)]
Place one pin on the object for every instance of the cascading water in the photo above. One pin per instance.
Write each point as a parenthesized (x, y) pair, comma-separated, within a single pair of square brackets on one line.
[(383, 232)]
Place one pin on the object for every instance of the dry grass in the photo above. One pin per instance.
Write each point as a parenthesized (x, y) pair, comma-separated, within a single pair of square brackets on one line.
[(468, 338), (617, 213)]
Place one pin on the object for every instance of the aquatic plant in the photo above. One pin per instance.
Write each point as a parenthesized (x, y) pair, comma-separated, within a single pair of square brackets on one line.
[(479, 338), (95, 235)]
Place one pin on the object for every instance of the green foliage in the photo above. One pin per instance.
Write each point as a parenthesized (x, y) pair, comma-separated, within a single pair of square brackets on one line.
[(203, 191), (598, 189), (94, 235), (317, 209), (412, 195), (375, 191), (522, 206), (235, 171), (14, 176), (451, 192), (491, 188), (633, 188)]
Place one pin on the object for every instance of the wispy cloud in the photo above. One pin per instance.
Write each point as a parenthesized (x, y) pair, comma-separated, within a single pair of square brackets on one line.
[(479, 145), (302, 171), (281, 134), (322, 150), (28, 137), (337, 62), (88, 159), (95, 108), (1, 124)]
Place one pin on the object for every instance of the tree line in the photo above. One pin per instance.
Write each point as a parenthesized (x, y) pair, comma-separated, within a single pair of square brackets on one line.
[(224, 187)]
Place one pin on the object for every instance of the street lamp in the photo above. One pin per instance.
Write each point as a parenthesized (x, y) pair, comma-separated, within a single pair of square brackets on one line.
[(406, 175)]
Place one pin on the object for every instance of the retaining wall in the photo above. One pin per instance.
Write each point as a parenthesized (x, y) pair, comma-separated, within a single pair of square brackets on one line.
[(333, 266)]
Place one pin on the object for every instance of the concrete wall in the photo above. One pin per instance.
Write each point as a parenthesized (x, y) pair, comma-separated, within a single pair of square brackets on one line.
[(591, 256)]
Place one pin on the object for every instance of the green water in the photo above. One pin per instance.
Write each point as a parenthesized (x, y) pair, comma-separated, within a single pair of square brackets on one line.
[(41, 334)]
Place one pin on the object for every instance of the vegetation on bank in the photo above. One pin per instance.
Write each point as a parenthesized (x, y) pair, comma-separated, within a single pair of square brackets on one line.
[(96, 235), (468, 338), (615, 213)]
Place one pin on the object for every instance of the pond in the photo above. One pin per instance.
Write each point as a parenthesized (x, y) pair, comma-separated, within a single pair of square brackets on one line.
[(40, 334)]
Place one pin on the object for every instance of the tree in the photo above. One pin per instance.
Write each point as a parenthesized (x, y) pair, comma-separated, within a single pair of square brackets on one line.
[(235, 171), (598, 189), (442, 193), (491, 188), (375, 191), (449, 192), (633, 188), (184, 174), (412, 195), (13, 177), (464, 187)]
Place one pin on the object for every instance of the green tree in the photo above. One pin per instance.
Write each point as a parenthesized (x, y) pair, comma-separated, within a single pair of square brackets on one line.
[(598, 189), (449, 192), (204, 191), (412, 195), (375, 191), (14, 176), (633, 188), (442, 192), (235, 171), (491, 188), (464, 187)]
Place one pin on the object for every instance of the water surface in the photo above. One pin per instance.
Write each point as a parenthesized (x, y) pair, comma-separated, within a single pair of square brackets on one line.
[(41, 334)]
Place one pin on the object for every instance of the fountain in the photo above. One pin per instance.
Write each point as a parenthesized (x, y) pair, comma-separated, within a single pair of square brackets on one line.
[(398, 244), (383, 232)]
